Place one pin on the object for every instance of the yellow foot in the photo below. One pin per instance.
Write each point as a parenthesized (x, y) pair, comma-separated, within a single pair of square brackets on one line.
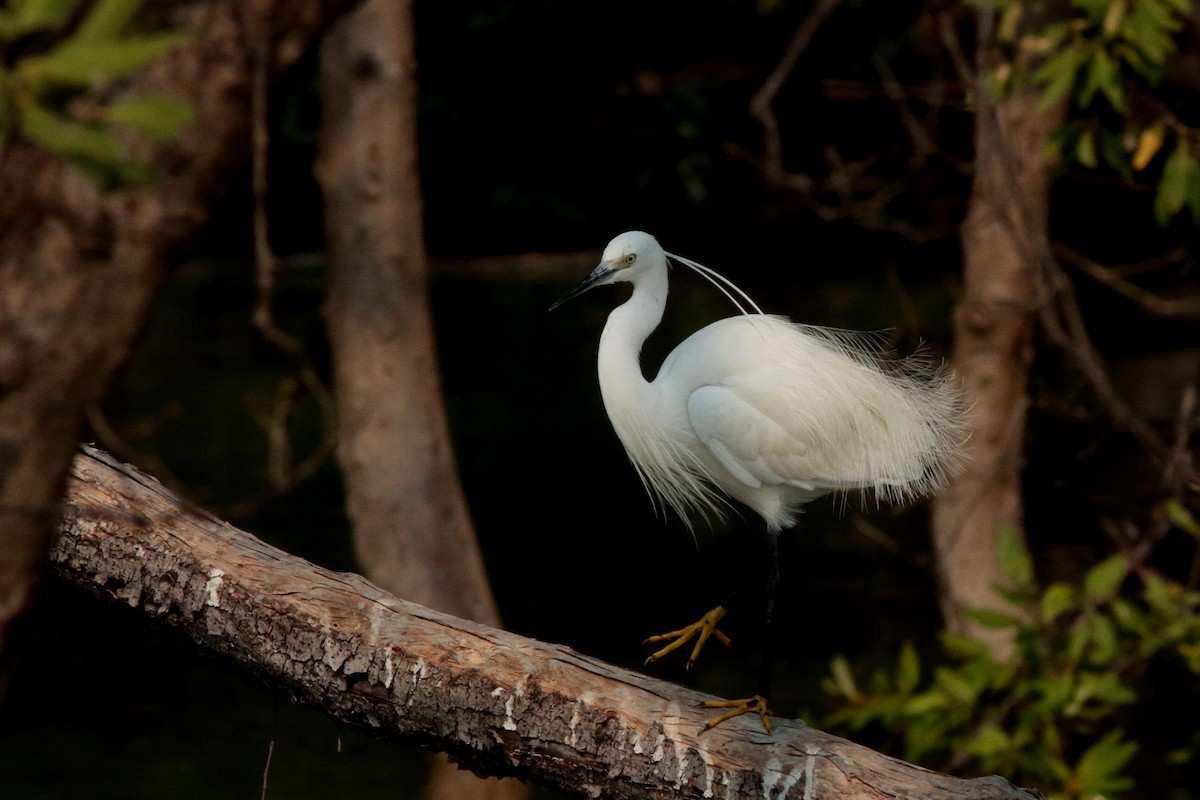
[(700, 630), (749, 705)]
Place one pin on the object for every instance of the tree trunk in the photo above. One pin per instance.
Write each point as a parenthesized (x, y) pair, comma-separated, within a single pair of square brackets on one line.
[(501, 703), (78, 267), (411, 526), (993, 350), (412, 532)]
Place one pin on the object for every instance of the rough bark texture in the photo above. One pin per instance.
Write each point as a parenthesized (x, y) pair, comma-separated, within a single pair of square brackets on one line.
[(502, 703), (411, 528), (78, 265), (993, 327)]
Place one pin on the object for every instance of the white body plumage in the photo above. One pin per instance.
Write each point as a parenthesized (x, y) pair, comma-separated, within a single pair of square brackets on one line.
[(771, 413)]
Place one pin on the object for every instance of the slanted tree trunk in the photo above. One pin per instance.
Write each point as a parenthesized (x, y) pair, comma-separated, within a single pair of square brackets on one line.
[(502, 703), (993, 351), (412, 532), (78, 266)]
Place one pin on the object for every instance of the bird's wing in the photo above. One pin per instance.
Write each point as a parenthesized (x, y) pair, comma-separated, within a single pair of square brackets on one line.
[(754, 447)]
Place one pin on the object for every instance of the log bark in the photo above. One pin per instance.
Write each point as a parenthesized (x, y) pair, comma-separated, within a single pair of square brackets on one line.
[(78, 265), (501, 703)]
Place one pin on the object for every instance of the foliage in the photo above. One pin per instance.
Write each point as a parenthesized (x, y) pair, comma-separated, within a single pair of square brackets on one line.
[(63, 59), (1050, 714), (1103, 58)]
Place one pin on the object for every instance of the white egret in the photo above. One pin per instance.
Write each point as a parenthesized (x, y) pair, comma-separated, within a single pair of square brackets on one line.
[(768, 412)]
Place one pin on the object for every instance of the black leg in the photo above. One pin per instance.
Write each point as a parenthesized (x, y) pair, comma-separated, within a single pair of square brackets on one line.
[(758, 703), (771, 593)]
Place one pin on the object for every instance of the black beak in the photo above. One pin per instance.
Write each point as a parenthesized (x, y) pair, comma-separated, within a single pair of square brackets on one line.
[(596, 278)]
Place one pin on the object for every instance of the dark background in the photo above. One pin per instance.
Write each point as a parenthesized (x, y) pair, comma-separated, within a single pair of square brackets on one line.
[(552, 126)]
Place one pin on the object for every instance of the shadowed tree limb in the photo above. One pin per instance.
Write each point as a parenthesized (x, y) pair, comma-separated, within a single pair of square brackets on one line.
[(501, 703)]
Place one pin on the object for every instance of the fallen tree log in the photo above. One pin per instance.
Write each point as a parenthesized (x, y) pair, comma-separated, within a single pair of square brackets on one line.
[(501, 703)]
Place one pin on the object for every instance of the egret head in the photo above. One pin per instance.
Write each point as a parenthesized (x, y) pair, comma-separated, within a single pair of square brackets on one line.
[(627, 256)]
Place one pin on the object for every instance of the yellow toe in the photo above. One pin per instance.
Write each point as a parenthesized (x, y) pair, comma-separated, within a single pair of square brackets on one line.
[(701, 631), (748, 705)]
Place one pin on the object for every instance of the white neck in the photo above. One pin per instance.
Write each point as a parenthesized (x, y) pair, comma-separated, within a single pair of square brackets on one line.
[(621, 343)]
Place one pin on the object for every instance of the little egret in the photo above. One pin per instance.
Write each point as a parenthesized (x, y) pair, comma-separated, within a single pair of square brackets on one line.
[(771, 413)]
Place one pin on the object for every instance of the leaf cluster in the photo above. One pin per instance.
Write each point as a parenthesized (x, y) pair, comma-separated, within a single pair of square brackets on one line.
[(1104, 59), (63, 61), (1048, 715)]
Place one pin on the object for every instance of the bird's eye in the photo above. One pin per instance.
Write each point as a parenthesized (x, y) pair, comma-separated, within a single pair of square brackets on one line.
[(632, 257)]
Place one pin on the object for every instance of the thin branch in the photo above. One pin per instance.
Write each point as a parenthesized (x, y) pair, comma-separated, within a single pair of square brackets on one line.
[(1062, 321), (867, 209), (762, 101), (1111, 277), (266, 263), (845, 179), (1180, 465), (283, 473), (923, 141)]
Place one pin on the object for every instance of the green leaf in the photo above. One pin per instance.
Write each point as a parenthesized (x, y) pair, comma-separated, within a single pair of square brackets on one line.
[(1058, 76), (1191, 656), (157, 116), (1103, 635), (1094, 9), (1014, 558), (1103, 75), (1129, 616), (1181, 517), (91, 148), (1056, 600), (963, 647), (1105, 687), (1113, 152), (1192, 192), (1056, 692), (1160, 595), (989, 741), (69, 138), (921, 704), (1172, 189), (990, 618), (36, 15), (1103, 580), (843, 678), (107, 19), (1010, 20), (908, 669), (1085, 150), (1100, 765), (1149, 27), (955, 686), (84, 64)]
